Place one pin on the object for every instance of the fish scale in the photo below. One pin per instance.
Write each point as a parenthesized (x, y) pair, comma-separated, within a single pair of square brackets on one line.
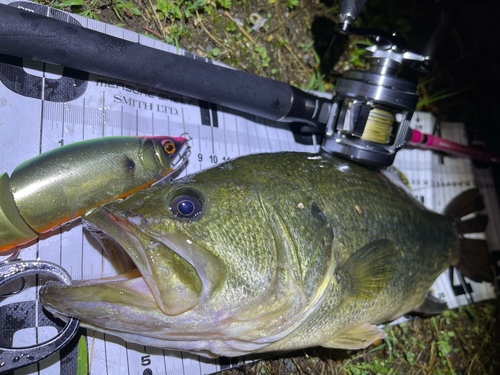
[(236, 232)]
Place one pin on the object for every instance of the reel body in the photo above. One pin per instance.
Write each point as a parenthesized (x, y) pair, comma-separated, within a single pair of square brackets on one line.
[(371, 111), (370, 117)]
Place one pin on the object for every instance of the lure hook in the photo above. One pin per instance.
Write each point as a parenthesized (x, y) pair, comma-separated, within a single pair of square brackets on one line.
[(14, 358), (184, 153), (187, 136)]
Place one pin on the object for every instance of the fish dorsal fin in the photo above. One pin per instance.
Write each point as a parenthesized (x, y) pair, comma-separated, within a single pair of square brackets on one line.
[(369, 269), (356, 338)]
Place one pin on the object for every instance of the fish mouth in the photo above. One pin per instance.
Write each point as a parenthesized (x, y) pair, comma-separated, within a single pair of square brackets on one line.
[(157, 281)]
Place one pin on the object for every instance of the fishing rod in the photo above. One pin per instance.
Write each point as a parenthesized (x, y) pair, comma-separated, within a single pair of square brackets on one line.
[(368, 119)]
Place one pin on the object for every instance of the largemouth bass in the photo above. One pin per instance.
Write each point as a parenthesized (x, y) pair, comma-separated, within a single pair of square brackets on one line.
[(266, 252)]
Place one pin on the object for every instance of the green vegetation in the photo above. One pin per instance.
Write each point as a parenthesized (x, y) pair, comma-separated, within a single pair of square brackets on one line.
[(127, 7), (82, 359), (442, 344), (292, 3), (89, 9), (317, 78), (79, 7)]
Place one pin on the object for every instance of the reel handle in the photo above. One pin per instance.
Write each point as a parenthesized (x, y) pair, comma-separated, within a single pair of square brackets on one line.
[(349, 10)]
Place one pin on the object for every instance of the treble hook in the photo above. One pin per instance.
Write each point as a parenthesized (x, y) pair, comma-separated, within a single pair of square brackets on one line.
[(187, 136), (14, 358)]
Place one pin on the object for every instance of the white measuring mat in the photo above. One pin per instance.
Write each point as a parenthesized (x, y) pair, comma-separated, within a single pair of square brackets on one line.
[(41, 109)]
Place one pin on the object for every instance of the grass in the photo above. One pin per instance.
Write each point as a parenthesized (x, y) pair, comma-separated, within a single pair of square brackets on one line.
[(89, 9), (177, 13)]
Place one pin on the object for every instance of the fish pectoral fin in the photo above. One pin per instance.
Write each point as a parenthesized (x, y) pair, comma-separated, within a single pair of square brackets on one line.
[(369, 269), (356, 338), (431, 305)]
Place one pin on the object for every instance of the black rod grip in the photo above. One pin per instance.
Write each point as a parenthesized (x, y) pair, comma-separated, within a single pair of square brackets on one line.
[(36, 37)]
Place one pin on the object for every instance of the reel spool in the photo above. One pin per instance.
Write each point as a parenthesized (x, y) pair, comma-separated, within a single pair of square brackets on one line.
[(378, 126), (370, 117)]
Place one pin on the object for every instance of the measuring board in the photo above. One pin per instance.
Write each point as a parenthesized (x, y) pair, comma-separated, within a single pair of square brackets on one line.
[(43, 107)]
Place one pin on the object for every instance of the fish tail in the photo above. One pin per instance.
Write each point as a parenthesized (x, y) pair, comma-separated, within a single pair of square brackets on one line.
[(476, 224), (465, 203), (471, 257)]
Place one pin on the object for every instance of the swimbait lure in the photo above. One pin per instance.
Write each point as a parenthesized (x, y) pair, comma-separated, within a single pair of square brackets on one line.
[(58, 186)]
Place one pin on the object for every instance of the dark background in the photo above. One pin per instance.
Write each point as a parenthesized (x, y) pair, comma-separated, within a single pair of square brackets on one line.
[(466, 58)]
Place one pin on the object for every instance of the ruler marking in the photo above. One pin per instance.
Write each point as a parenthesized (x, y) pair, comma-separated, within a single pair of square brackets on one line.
[(237, 134), (153, 123)]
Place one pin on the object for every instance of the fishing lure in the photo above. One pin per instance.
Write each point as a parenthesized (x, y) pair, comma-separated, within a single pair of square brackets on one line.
[(58, 186)]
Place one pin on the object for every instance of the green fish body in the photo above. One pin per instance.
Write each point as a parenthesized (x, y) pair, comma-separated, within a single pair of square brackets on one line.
[(265, 252)]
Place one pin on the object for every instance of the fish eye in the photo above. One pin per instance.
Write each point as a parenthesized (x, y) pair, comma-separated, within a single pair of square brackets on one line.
[(186, 206), (169, 147)]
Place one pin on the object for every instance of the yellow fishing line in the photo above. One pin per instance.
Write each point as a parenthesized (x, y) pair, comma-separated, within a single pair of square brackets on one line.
[(378, 126)]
